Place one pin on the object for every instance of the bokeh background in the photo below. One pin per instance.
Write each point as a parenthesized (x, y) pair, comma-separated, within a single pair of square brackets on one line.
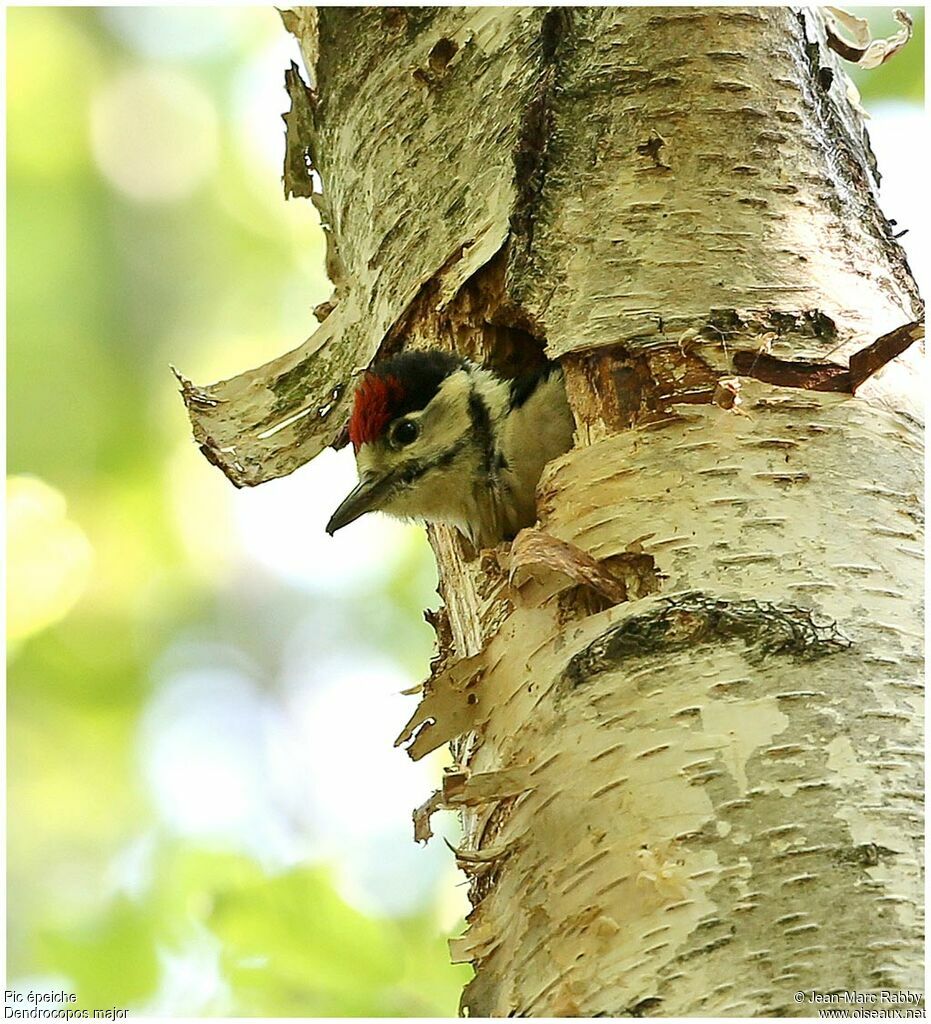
[(206, 815)]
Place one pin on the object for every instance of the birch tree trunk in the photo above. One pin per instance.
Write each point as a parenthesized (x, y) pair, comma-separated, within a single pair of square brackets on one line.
[(685, 709)]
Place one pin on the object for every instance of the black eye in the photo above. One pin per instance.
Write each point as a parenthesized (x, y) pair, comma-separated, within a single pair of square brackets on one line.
[(404, 433)]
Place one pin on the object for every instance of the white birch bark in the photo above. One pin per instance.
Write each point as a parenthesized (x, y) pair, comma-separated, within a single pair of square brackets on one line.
[(689, 744)]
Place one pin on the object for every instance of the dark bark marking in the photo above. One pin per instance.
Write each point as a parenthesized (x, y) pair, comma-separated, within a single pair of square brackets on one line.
[(696, 618), (724, 324), (644, 1008), (532, 150), (442, 53), (652, 148), (438, 60), (867, 855)]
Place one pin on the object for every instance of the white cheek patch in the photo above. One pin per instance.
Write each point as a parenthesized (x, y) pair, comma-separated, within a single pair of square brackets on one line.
[(439, 494), (367, 461)]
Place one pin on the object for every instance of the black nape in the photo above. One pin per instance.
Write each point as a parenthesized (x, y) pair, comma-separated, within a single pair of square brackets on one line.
[(422, 373)]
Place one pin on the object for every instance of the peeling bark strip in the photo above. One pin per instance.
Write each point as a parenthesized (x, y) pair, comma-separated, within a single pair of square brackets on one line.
[(864, 50), (828, 376), (869, 360), (711, 816), (535, 553), (793, 374), (298, 161)]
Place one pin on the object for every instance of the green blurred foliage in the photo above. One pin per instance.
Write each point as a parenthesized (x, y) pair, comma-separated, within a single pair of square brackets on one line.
[(294, 948), (104, 290)]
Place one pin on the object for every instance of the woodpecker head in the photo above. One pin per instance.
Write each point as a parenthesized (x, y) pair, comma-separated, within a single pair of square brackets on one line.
[(413, 433), (437, 438)]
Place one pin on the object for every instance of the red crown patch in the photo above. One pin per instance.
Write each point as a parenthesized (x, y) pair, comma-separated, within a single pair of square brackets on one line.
[(375, 401)]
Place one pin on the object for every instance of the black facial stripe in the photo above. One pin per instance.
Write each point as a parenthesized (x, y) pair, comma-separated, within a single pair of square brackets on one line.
[(481, 430), (404, 476)]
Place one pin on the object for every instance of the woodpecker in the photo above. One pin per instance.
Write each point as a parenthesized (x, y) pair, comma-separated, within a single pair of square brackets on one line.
[(440, 439)]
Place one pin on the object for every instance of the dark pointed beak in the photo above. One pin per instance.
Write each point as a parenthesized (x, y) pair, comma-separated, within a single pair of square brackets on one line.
[(366, 496)]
